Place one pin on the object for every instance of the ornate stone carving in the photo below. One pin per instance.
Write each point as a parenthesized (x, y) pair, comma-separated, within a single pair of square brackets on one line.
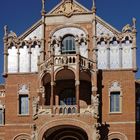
[(127, 28), (68, 8), (97, 135), (95, 100), (134, 22), (5, 30), (34, 133), (24, 89), (35, 107), (115, 86), (94, 107)]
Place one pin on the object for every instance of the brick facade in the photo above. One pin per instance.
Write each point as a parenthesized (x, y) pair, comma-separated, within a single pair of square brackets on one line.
[(69, 97)]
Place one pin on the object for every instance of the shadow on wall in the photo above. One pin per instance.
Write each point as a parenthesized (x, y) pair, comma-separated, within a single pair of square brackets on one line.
[(104, 129)]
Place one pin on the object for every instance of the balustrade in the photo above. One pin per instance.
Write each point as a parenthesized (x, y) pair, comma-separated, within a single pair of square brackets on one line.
[(65, 109), (69, 59)]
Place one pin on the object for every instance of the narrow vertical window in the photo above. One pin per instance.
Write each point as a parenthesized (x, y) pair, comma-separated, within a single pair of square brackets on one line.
[(23, 100), (115, 97), (23, 105), (138, 110), (115, 102), (1, 116)]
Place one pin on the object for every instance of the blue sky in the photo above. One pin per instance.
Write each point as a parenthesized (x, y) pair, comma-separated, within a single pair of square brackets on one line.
[(19, 15)]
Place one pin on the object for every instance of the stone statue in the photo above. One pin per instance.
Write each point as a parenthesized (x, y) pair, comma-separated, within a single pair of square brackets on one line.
[(5, 30), (33, 136), (94, 107), (65, 59), (35, 106), (98, 135), (134, 22)]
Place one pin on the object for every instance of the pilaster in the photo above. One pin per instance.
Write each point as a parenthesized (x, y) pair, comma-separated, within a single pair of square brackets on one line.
[(77, 76), (5, 39), (134, 63), (42, 52)]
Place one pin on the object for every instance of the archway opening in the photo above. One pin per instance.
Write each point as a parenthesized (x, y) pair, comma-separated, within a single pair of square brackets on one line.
[(65, 133)]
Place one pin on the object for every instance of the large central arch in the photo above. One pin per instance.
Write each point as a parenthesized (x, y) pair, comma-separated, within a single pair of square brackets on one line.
[(65, 132), (65, 129)]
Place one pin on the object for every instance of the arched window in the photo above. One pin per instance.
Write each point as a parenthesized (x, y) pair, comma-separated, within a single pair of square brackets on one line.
[(67, 97), (68, 45)]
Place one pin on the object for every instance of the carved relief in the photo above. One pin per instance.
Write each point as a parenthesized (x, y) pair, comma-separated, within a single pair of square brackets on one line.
[(35, 106), (94, 107), (24, 89), (68, 8)]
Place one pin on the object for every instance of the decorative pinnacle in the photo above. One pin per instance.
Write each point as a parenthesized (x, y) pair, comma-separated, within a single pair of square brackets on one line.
[(134, 22), (93, 6), (5, 30), (43, 7)]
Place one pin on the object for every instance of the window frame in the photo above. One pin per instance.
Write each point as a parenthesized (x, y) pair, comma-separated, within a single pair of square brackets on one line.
[(72, 40), (2, 108), (138, 108), (23, 93), (114, 108), (116, 88)]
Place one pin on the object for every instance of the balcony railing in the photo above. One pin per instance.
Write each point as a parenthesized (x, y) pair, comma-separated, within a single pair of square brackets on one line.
[(65, 109), (69, 59)]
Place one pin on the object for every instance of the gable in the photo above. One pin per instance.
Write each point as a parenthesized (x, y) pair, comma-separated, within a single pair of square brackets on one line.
[(68, 8), (103, 28), (33, 32)]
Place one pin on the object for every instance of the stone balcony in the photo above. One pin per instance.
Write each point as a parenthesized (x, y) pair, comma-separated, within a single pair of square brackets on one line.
[(67, 60), (65, 110)]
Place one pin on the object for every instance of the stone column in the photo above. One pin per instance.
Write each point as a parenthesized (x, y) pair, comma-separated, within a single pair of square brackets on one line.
[(29, 52), (120, 54), (41, 94), (5, 39), (52, 79), (42, 51), (94, 54), (108, 53), (134, 64), (18, 58), (77, 76)]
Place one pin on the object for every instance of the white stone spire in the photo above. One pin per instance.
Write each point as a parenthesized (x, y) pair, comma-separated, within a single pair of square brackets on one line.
[(93, 5)]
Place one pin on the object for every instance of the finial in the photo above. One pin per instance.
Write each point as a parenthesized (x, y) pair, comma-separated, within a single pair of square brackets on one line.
[(93, 6), (43, 7), (5, 30), (134, 23)]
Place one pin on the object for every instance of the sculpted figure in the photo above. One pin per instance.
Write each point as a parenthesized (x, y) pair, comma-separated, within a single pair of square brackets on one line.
[(35, 106), (5, 30), (33, 136), (94, 107), (98, 135)]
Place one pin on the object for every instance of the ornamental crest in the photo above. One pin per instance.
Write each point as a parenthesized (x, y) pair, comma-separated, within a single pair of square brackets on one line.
[(68, 8)]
